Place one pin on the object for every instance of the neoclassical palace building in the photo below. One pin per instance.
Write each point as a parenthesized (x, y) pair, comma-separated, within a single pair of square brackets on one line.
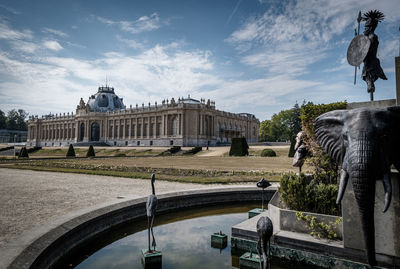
[(104, 119)]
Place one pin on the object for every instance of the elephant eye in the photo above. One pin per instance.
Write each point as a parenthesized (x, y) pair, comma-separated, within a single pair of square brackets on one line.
[(344, 136)]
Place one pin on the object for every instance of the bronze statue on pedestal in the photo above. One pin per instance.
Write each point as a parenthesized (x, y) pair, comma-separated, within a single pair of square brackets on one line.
[(363, 48)]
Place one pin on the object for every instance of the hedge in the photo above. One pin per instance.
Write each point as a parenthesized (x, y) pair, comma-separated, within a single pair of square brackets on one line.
[(90, 152), (71, 151), (268, 153), (304, 193), (239, 147)]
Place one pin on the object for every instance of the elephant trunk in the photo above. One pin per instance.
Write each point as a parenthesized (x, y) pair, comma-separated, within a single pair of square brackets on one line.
[(363, 180)]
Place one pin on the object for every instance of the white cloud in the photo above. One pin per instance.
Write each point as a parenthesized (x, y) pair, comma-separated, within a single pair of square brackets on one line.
[(52, 45), (24, 46), (55, 32), (301, 33), (142, 24), (130, 42), (10, 34)]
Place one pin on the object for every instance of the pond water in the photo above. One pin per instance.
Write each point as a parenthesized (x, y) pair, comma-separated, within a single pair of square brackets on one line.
[(183, 237)]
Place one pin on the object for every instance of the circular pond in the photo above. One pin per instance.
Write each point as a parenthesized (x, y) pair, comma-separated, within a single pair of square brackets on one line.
[(184, 238)]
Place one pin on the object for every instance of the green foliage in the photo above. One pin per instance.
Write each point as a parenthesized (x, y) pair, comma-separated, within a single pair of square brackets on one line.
[(90, 152), (309, 112), (3, 120), (23, 153), (120, 154), (268, 153), (34, 149), (71, 151), (304, 193), (326, 170), (320, 229), (174, 149), (193, 150), (282, 127), (239, 147), (16, 120), (265, 131)]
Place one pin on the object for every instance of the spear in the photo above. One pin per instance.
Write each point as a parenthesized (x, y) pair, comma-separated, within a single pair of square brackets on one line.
[(357, 33)]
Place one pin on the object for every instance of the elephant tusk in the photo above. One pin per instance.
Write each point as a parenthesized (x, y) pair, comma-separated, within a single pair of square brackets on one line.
[(344, 178), (387, 186)]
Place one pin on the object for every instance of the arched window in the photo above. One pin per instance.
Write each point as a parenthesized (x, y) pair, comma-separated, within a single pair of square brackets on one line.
[(95, 132), (175, 126), (82, 133)]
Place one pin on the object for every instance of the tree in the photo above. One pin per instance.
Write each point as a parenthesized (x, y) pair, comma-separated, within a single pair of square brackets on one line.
[(283, 126), (16, 120), (265, 132), (3, 120), (325, 168)]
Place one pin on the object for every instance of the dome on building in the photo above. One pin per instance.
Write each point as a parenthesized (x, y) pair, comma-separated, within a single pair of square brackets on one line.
[(105, 100)]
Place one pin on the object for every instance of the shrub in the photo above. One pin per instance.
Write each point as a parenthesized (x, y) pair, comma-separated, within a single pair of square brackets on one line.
[(239, 147), (303, 193), (120, 155), (90, 152), (23, 153), (193, 150), (268, 153), (71, 151), (324, 167), (174, 149), (34, 149)]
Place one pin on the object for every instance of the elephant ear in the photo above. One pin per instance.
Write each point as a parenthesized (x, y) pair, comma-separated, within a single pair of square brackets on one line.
[(328, 131)]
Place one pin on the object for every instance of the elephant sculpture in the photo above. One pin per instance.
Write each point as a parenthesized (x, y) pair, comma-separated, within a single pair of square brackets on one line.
[(365, 142)]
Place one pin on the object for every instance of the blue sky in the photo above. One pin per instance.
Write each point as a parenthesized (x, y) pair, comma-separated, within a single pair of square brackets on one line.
[(254, 56)]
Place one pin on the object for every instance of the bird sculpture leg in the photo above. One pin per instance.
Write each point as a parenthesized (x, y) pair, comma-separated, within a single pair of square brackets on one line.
[(269, 254), (154, 240), (259, 251), (148, 232)]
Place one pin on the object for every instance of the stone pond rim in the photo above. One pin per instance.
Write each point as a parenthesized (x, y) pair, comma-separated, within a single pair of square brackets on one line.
[(42, 248)]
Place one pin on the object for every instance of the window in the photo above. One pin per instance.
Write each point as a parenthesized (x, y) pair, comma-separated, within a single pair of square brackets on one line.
[(171, 142), (126, 143), (151, 143), (138, 143)]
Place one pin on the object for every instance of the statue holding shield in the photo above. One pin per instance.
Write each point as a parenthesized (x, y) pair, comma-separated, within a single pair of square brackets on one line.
[(363, 48)]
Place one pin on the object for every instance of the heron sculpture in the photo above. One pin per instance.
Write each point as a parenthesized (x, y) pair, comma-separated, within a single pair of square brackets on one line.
[(151, 206), (263, 183), (264, 231)]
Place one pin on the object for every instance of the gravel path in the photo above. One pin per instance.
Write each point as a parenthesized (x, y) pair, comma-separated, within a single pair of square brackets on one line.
[(30, 198)]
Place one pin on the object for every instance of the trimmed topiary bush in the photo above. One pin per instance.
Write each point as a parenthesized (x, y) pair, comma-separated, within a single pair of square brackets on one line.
[(23, 153), (303, 193), (71, 151), (239, 147), (268, 153), (90, 153)]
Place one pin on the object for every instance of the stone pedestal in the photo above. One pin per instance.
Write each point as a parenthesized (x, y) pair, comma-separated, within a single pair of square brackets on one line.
[(151, 260), (387, 225), (219, 240), (250, 260), (255, 212)]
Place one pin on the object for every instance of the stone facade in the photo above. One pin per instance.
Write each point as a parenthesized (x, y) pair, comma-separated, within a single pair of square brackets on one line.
[(186, 122)]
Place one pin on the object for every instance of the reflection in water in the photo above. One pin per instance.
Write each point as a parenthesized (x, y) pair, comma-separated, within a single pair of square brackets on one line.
[(184, 239)]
